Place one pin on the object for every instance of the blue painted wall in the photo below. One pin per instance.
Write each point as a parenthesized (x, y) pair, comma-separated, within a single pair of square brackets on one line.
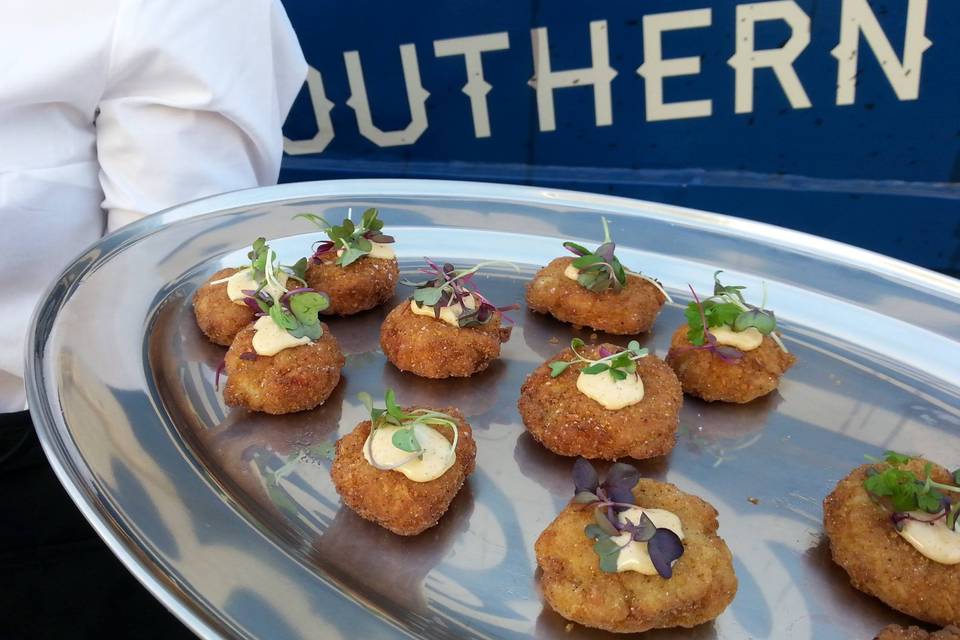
[(883, 172)]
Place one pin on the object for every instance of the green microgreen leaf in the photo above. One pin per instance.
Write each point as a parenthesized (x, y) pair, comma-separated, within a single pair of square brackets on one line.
[(593, 531), (284, 319), (428, 296), (408, 420), (355, 240), (306, 307), (556, 368), (620, 364), (587, 260), (605, 546), (351, 255), (585, 497), (602, 521), (405, 440), (392, 408), (596, 368), (727, 308), (894, 458)]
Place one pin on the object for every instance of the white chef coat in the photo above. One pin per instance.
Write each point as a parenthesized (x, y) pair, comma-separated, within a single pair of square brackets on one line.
[(113, 109)]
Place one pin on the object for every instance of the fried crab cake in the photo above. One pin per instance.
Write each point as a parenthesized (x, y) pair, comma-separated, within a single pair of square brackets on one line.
[(431, 348), (218, 316), (881, 563), (566, 421), (896, 632), (359, 286), (389, 498), (706, 375), (295, 379), (630, 310), (703, 581)]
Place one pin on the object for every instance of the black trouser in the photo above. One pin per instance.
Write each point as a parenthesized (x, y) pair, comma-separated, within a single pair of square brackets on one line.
[(57, 579)]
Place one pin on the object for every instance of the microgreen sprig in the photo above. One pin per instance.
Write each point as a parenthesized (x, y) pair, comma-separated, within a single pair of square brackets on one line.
[(265, 268), (356, 240), (449, 286), (599, 269), (608, 499), (405, 437), (900, 491), (727, 307), (296, 311), (619, 364)]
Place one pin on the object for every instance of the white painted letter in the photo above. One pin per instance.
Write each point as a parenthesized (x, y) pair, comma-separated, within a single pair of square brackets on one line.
[(904, 76), (746, 60), (416, 97), (654, 68), (321, 111), (477, 87), (600, 74)]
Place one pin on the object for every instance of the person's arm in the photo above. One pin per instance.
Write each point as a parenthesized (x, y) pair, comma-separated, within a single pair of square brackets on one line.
[(196, 96)]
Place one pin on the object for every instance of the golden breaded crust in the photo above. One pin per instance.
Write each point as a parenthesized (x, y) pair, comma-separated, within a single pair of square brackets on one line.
[(879, 561), (357, 287), (567, 422), (705, 375), (703, 581), (391, 499), (296, 379), (896, 632), (630, 310), (432, 348), (218, 317)]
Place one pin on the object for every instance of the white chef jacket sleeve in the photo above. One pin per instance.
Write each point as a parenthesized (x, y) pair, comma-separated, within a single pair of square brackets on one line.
[(196, 95)]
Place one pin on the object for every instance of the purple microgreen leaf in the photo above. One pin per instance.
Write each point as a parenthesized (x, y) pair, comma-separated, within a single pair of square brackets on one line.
[(216, 378), (604, 352), (621, 494), (728, 354), (606, 250), (644, 530), (585, 476), (622, 475), (665, 548)]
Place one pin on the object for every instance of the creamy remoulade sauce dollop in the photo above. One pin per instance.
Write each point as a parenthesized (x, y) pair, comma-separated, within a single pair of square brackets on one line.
[(746, 340), (571, 272), (242, 281), (448, 314), (933, 539), (611, 394), (635, 556), (270, 338), (436, 456), (380, 250)]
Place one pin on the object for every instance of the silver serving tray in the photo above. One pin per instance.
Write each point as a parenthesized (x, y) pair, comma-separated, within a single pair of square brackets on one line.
[(231, 520)]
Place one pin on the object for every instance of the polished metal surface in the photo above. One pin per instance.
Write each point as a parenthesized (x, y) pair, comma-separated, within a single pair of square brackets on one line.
[(231, 520)]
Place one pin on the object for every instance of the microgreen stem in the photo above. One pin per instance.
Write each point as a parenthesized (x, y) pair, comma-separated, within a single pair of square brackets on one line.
[(652, 281)]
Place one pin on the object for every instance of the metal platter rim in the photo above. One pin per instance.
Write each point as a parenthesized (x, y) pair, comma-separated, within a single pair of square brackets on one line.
[(70, 467)]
